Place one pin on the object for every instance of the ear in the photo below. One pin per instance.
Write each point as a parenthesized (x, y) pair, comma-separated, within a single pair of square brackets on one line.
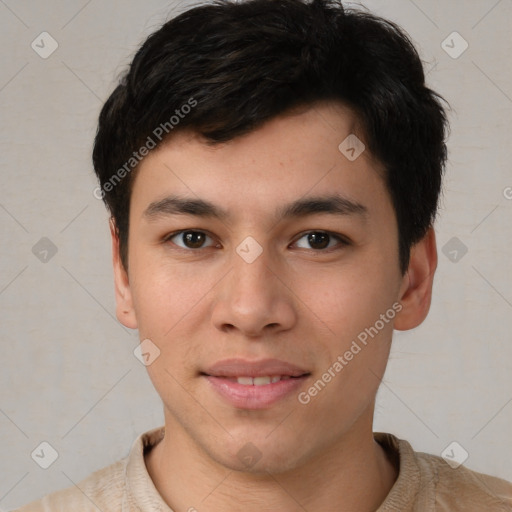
[(416, 288), (124, 304)]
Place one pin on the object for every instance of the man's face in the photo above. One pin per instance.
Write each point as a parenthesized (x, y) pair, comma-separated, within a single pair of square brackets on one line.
[(303, 287)]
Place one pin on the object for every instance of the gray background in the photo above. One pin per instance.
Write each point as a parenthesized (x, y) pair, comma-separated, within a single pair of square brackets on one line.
[(69, 376)]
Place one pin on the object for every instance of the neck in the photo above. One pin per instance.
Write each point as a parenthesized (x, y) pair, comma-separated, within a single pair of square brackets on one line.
[(354, 473)]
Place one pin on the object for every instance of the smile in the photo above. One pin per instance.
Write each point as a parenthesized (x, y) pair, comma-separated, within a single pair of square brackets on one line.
[(258, 381)]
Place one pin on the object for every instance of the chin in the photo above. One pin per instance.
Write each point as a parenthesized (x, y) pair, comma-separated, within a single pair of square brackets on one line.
[(259, 456)]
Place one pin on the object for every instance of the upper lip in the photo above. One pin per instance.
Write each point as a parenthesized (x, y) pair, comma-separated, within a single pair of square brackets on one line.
[(266, 367)]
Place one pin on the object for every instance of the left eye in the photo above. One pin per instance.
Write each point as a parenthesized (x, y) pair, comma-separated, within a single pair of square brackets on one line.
[(190, 239), (318, 240)]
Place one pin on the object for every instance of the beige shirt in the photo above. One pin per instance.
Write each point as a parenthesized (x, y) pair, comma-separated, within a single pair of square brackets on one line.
[(425, 483)]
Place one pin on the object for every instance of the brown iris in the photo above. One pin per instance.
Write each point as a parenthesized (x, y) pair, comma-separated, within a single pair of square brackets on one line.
[(318, 240), (193, 239)]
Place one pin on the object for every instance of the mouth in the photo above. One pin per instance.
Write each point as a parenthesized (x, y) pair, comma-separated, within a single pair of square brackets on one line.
[(255, 393), (254, 384), (264, 380)]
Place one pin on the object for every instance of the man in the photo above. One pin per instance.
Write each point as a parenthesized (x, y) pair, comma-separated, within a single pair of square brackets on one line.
[(272, 169)]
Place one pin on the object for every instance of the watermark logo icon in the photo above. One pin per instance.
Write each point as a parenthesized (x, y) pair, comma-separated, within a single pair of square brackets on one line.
[(249, 455), (454, 454), (44, 250), (44, 45), (352, 147), (249, 250), (454, 249), (147, 352), (454, 45), (44, 455)]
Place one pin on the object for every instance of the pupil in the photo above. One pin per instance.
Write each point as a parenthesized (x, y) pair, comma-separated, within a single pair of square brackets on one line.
[(318, 240), (194, 240)]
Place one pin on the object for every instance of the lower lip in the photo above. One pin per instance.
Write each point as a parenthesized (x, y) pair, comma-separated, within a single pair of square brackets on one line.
[(254, 397)]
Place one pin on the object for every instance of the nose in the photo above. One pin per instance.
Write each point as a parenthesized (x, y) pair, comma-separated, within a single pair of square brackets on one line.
[(254, 299)]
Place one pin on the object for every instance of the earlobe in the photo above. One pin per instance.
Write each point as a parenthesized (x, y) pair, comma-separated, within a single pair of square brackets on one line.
[(124, 304), (416, 289)]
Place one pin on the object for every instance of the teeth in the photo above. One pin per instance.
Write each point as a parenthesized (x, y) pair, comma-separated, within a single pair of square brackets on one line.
[(244, 380), (260, 381)]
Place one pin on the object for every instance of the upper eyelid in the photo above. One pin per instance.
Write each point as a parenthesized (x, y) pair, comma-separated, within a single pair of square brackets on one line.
[(168, 237), (339, 236), (189, 230), (342, 240)]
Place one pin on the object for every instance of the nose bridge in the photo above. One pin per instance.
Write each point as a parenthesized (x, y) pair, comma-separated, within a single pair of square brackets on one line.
[(253, 298), (252, 275)]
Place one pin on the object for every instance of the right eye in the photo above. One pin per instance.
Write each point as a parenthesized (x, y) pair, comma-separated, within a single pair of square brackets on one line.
[(190, 239)]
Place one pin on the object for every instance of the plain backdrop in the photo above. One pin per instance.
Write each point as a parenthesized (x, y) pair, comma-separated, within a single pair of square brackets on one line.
[(69, 376)]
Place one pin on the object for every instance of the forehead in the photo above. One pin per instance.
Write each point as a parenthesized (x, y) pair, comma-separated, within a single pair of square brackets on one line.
[(289, 157)]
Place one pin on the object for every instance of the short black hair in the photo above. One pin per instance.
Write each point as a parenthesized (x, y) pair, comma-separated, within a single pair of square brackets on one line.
[(224, 68)]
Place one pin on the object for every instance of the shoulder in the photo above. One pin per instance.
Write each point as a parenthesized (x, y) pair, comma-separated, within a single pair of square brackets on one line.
[(428, 483), (460, 488), (103, 490), (120, 486)]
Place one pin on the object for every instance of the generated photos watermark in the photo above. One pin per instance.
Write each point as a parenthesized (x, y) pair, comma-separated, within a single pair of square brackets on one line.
[(341, 361), (157, 135)]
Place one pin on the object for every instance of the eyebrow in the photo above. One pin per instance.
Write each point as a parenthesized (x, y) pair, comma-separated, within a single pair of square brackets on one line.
[(175, 205), (332, 204)]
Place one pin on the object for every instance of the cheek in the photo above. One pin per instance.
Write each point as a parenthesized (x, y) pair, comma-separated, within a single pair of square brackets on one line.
[(165, 294), (351, 297), (169, 305)]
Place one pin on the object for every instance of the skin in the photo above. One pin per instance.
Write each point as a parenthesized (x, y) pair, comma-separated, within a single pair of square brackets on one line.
[(295, 302)]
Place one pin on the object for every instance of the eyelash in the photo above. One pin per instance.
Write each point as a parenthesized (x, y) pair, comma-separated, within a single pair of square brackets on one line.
[(342, 241)]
